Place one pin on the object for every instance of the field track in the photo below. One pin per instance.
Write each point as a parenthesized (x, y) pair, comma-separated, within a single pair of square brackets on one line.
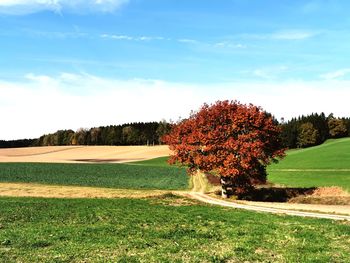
[(83, 154), (268, 209)]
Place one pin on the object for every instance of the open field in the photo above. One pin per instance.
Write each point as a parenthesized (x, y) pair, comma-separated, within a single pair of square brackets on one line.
[(160, 161), (122, 176), (64, 191), (163, 229), (324, 165), (142, 220), (83, 154)]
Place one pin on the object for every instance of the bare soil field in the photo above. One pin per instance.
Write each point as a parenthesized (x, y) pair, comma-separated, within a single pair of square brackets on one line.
[(83, 154)]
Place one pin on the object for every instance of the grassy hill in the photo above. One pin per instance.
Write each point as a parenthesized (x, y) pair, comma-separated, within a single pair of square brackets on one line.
[(324, 165)]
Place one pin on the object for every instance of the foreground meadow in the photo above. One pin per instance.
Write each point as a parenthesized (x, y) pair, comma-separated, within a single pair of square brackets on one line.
[(163, 229)]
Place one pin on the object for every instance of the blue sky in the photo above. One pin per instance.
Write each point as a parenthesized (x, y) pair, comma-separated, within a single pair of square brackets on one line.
[(115, 61)]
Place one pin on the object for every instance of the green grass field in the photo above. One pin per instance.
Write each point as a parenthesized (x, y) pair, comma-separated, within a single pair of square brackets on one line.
[(160, 162), (167, 229), (324, 165), (141, 176)]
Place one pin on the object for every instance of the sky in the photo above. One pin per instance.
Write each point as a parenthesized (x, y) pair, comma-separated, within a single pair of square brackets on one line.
[(68, 64)]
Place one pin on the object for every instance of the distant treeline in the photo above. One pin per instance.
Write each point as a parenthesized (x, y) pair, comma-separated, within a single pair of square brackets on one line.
[(301, 132), (17, 143), (149, 133), (314, 129)]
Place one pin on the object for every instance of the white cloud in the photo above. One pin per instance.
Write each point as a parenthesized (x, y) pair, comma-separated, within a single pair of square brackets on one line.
[(293, 35), (261, 73), (227, 44), (336, 74), (187, 40), (284, 35), (269, 72), (19, 7), (42, 79), (118, 37), (41, 104), (132, 38), (55, 34)]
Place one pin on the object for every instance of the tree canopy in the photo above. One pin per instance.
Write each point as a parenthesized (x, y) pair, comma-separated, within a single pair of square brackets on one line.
[(232, 140), (308, 135)]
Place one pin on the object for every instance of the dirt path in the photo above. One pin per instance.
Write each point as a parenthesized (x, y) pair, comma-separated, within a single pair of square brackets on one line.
[(259, 208), (200, 186), (331, 209)]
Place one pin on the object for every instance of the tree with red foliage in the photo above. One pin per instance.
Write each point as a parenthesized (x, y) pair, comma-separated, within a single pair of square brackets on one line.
[(231, 140)]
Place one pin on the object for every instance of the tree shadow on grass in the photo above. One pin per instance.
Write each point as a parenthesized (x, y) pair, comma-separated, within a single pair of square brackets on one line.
[(266, 193), (275, 194)]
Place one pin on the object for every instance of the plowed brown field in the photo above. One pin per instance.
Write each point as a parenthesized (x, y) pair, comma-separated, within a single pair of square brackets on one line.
[(83, 154)]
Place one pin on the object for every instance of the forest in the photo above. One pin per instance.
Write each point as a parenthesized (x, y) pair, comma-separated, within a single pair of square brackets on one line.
[(300, 132), (149, 133), (314, 129)]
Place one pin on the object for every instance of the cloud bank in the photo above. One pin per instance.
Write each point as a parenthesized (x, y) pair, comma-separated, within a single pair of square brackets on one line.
[(21, 7), (336, 74), (42, 104)]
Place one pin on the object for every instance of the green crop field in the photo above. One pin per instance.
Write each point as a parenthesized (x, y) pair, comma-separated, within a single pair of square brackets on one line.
[(324, 165), (98, 175), (166, 229), (160, 161)]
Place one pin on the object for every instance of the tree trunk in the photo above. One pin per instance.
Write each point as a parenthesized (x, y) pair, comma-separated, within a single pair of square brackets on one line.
[(224, 182)]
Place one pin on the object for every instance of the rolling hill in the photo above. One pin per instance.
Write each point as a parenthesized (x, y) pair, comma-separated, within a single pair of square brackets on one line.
[(324, 165)]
